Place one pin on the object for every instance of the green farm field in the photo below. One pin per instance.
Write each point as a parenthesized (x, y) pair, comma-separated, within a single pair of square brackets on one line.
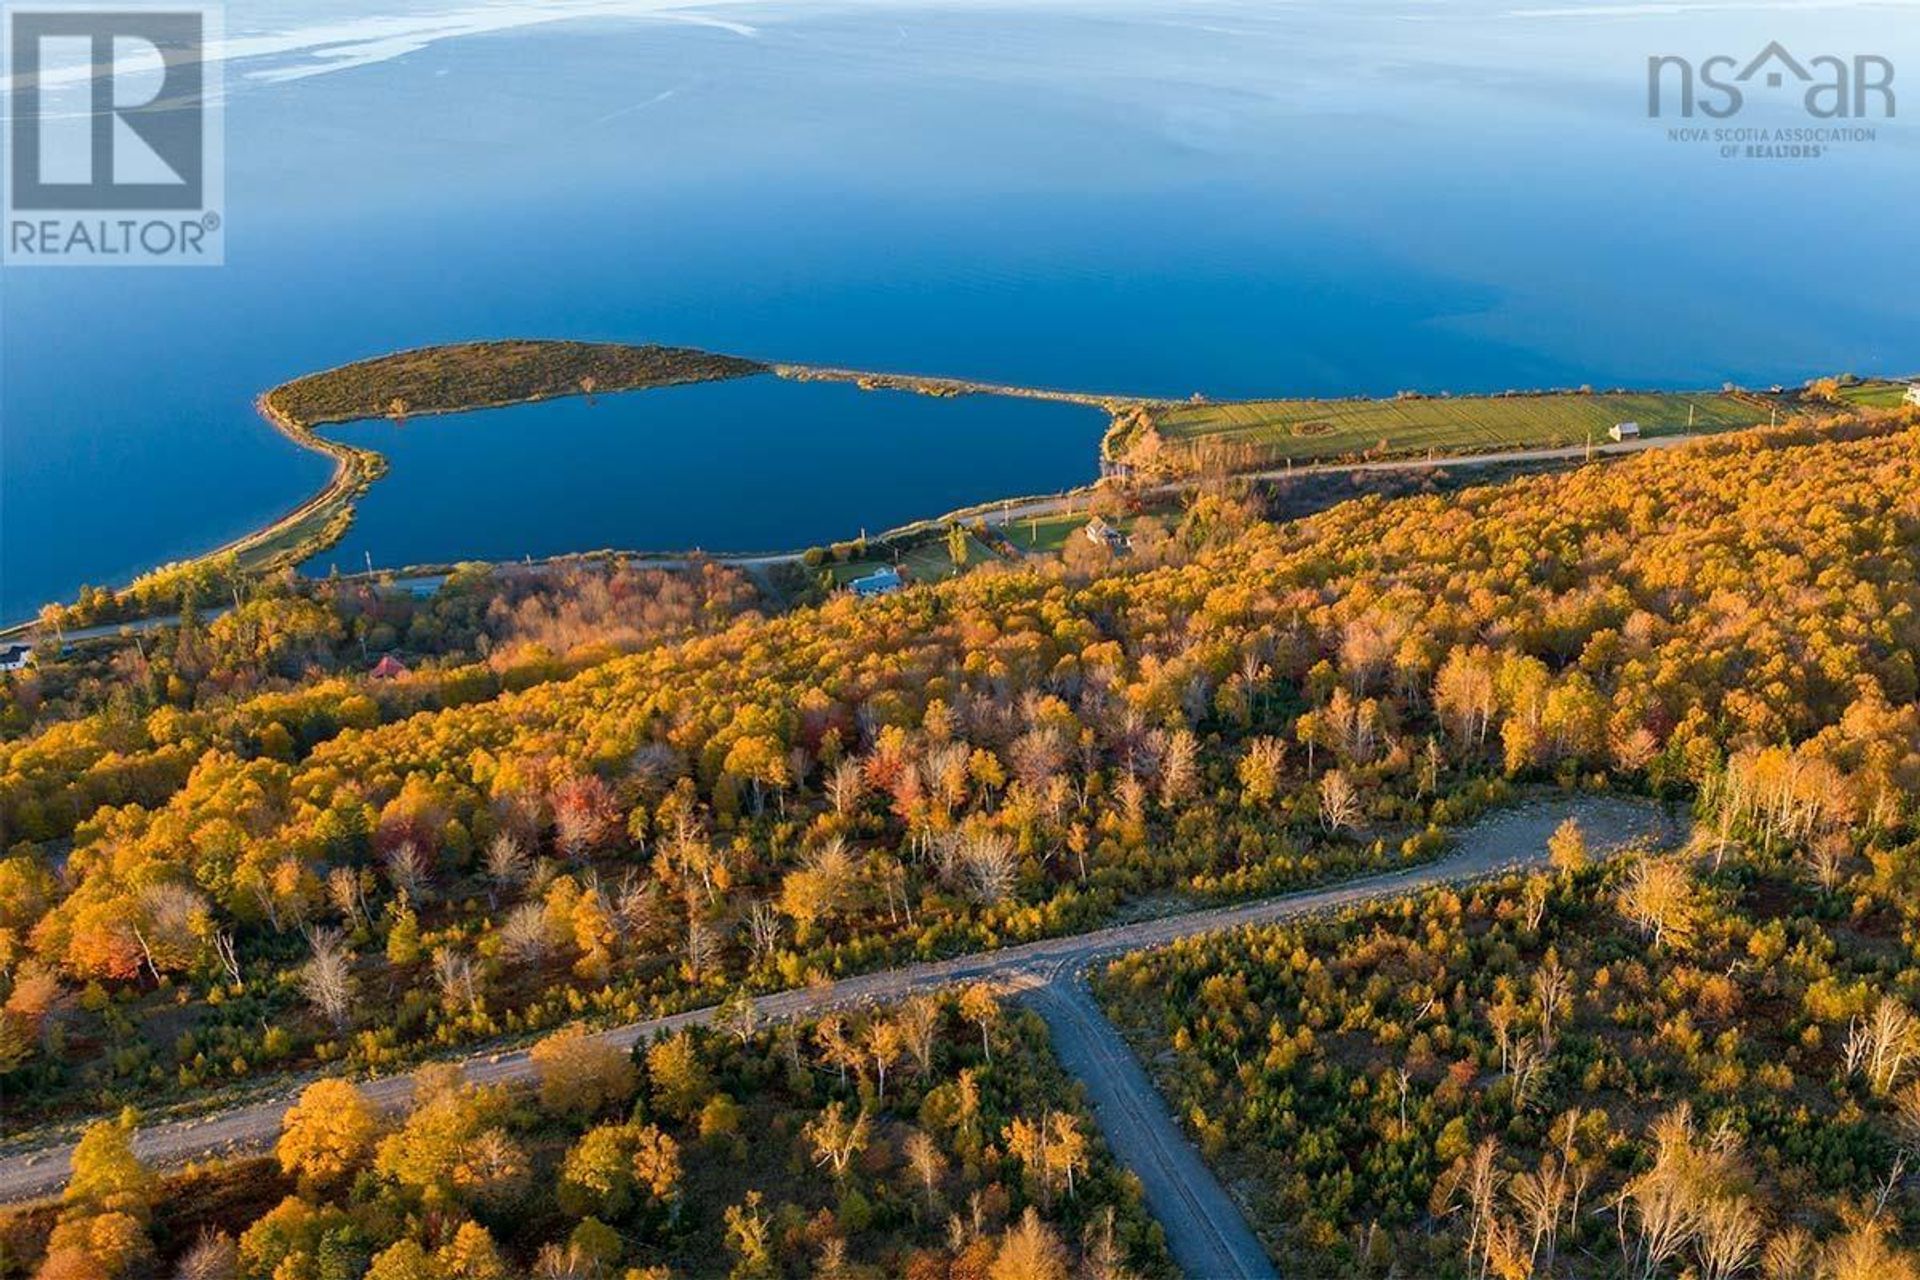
[(1875, 394), (1311, 429)]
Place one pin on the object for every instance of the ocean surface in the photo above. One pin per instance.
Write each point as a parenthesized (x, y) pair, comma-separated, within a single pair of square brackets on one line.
[(1190, 195)]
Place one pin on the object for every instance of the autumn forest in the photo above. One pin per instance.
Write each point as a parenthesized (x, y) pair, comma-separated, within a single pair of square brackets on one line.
[(342, 830)]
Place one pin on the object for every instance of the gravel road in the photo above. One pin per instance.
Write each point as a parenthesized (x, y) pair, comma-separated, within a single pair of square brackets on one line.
[(1205, 1231)]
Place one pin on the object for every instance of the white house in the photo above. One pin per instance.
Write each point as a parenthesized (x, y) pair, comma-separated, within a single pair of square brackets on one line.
[(15, 657), (1625, 431), (1913, 393), (1102, 534)]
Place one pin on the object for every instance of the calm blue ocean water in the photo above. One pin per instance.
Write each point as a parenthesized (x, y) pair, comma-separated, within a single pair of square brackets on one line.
[(770, 465), (1160, 197)]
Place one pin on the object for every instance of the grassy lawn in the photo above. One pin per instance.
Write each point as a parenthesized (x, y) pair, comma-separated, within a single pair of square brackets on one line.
[(1875, 394), (1045, 535), (928, 563), (1303, 429)]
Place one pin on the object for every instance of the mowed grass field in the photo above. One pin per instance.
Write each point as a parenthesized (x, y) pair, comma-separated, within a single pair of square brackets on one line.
[(1045, 533), (1277, 430), (929, 563), (1875, 394)]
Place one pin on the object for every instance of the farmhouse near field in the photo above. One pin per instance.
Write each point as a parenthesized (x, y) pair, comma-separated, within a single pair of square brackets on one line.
[(881, 582), (1102, 534), (1625, 431)]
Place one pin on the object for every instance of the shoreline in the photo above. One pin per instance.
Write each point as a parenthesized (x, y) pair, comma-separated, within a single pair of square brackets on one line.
[(354, 472), (322, 519)]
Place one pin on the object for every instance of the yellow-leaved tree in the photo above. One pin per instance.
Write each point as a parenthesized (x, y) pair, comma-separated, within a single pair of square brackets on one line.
[(328, 1134)]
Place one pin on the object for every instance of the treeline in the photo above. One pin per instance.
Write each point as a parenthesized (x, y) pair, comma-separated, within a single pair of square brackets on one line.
[(933, 1140), (775, 799)]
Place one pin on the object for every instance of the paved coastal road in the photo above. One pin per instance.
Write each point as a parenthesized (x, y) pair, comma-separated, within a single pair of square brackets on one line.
[(1204, 1230), (1036, 508)]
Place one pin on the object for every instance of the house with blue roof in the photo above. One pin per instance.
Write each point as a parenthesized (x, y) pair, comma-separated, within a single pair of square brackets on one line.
[(883, 582)]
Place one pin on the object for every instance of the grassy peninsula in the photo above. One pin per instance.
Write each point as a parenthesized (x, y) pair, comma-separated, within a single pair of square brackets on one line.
[(482, 375)]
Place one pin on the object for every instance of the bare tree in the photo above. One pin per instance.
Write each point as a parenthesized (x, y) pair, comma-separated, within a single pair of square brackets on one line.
[(214, 1256), (924, 1158), (327, 977), (988, 865), (1179, 767), (1480, 1179), (1692, 1197), (737, 1015), (763, 931), (641, 910), (919, 1021), (1037, 756), (1827, 858), (1541, 1197), (1339, 803), (1527, 1070), (1883, 1045), (229, 957), (1660, 1203), (846, 786), (1553, 986), (348, 893), (1730, 1234), (453, 974), (702, 949), (407, 870), (524, 936), (1791, 1255), (508, 864)]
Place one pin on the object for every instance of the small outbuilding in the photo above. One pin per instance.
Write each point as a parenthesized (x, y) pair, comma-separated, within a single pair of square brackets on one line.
[(1913, 393), (881, 582), (390, 668), (16, 657), (1625, 431)]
